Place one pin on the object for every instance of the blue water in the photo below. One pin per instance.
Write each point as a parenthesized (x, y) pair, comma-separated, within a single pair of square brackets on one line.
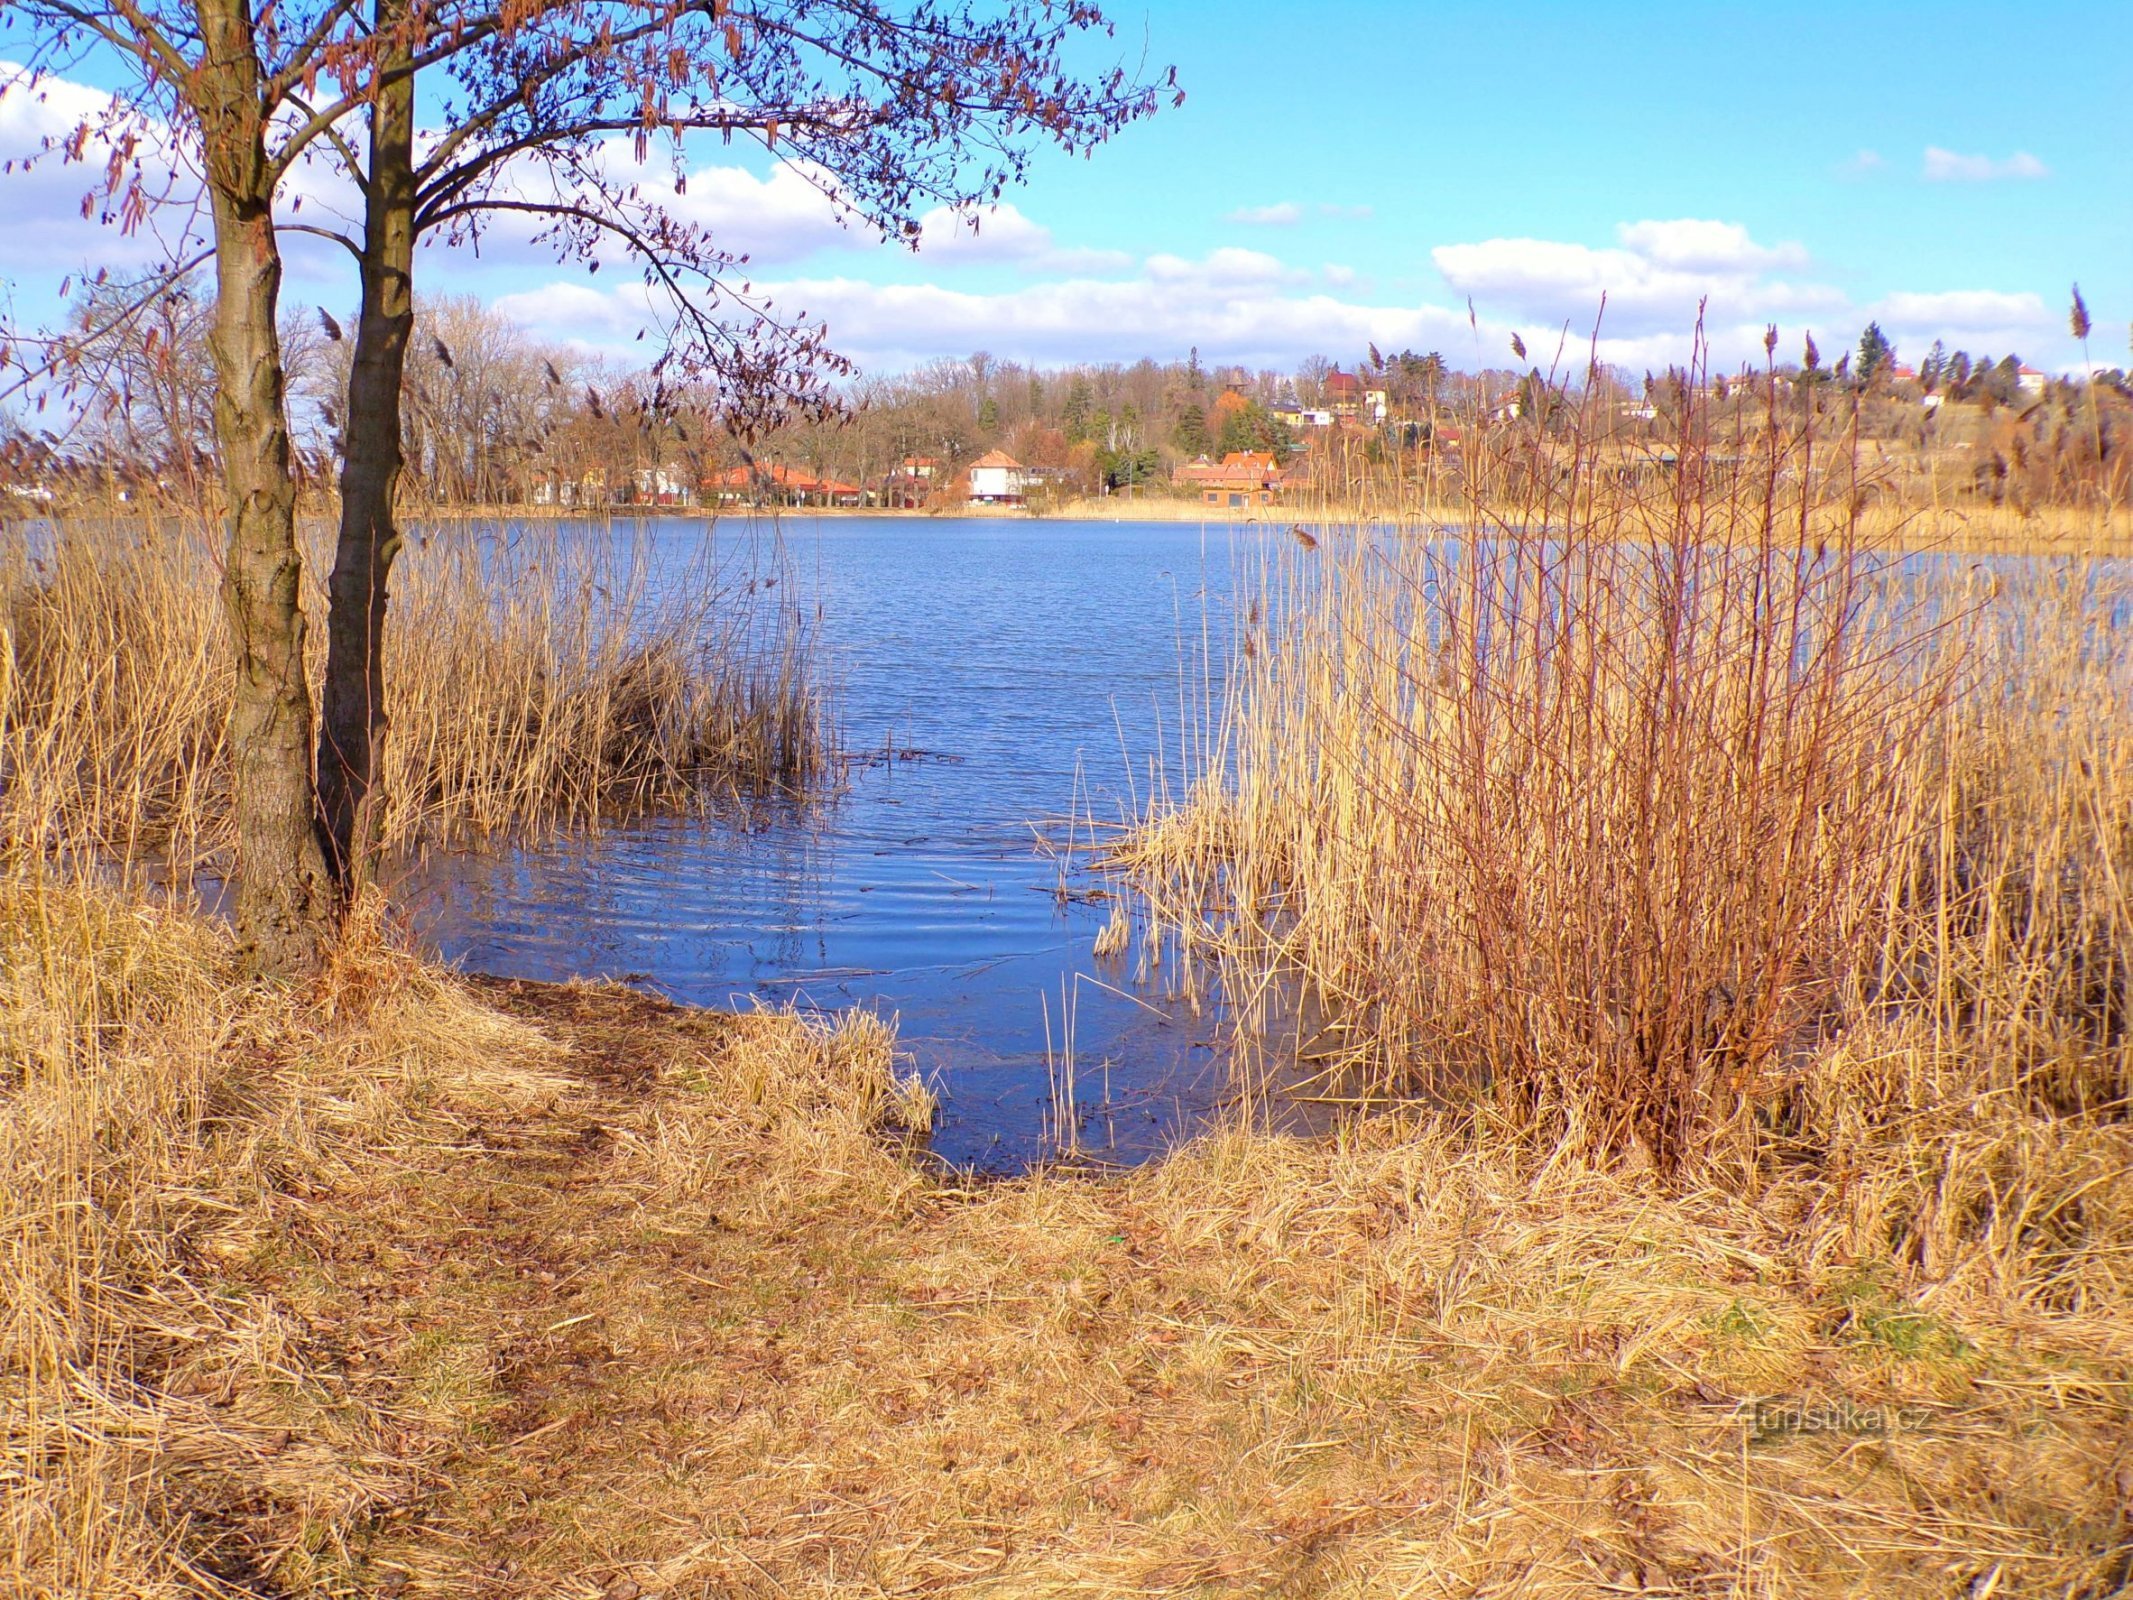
[(998, 687)]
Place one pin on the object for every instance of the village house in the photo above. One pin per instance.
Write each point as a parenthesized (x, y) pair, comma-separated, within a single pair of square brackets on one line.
[(1343, 394), (660, 486), (1241, 478), (998, 479), (910, 483), (778, 484), (555, 488)]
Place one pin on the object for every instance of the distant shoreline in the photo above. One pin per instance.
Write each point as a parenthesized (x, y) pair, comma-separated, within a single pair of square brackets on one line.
[(1104, 509), (2051, 530)]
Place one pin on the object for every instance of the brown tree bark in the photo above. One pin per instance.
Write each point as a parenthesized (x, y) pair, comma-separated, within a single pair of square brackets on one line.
[(354, 726), (284, 898)]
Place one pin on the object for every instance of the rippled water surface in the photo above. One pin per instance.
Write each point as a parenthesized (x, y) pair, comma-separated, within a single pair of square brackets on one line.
[(992, 679)]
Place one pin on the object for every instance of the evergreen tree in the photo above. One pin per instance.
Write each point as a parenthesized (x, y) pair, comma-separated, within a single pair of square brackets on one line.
[(2006, 379), (1934, 367), (1238, 432), (1080, 401), (1876, 355), (1190, 434)]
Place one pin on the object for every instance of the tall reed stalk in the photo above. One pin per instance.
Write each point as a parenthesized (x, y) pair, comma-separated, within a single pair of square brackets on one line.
[(1637, 789)]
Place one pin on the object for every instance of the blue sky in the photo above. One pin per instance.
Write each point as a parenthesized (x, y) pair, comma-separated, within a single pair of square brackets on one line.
[(1358, 170)]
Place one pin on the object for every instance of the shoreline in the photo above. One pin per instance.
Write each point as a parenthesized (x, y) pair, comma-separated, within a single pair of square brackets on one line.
[(1976, 530)]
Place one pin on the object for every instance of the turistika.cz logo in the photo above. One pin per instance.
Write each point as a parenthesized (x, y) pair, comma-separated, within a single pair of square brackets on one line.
[(1783, 1415)]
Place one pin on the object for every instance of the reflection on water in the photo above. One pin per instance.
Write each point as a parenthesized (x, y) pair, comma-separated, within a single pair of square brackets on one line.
[(993, 679)]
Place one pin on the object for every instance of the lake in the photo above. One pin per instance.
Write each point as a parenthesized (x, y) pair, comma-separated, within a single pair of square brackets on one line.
[(998, 686)]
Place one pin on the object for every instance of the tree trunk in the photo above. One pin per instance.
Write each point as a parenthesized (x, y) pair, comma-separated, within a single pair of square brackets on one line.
[(353, 728), (284, 901)]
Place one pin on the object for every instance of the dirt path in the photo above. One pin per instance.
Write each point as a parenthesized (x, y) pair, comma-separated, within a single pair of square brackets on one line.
[(691, 1327)]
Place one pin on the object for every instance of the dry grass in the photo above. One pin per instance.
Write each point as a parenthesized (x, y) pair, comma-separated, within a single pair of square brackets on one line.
[(168, 1429), (540, 677), (400, 1288), (1639, 801)]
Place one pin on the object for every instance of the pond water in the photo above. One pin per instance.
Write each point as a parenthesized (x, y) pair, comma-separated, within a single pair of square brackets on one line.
[(999, 685)]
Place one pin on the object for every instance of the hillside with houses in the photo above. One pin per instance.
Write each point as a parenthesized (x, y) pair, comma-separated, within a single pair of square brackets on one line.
[(505, 420)]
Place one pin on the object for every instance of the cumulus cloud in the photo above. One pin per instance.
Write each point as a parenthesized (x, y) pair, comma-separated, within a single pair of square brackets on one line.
[(1948, 166), (1250, 306), (1235, 305), (1282, 214), (1078, 303), (1979, 319), (1224, 268), (1001, 233), (1690, 245), (1654, 279), (54, 224)]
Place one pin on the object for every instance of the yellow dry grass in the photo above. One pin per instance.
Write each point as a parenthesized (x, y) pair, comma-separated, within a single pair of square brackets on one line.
[(538, 676), (406, 1287)]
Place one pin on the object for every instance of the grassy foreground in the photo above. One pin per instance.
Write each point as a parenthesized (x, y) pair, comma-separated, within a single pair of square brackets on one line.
[(411, 1286)]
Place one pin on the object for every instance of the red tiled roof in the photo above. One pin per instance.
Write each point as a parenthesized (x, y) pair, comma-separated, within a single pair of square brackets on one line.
[(780, 476)]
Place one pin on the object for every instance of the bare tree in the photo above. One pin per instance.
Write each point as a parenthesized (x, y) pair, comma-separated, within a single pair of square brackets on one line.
[(889, 106), (893, 106)]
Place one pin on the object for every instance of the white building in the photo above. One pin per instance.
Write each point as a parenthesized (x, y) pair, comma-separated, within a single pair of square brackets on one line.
[(997, 478)]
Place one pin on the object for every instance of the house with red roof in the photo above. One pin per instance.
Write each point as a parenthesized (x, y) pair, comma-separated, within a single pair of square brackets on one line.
[(778, 484), (1241, 478)]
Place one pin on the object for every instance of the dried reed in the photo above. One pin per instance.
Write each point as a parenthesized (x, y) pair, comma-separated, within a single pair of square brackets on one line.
[(1635, 789), (541, 676)]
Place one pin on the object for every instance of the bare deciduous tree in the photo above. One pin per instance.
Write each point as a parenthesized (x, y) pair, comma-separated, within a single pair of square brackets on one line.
[(550, 112)]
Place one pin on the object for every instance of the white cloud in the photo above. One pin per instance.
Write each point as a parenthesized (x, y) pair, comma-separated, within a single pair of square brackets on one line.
[(1001, 233), (1072, 260), (1976, 319), (1962, 309), (1287, 213), (1653, 281), (1226, 267), (998, 233), (1866, 161), (1234, 310), (1249, 306), (1690, 245), (1947, 166), (47, 229), (1077, 303)]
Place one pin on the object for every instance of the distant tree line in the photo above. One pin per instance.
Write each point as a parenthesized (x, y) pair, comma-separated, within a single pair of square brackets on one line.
[(493, 416)]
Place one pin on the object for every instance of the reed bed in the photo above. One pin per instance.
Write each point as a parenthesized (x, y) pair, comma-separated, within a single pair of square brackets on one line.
[(541, 677), (1653, 805)]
